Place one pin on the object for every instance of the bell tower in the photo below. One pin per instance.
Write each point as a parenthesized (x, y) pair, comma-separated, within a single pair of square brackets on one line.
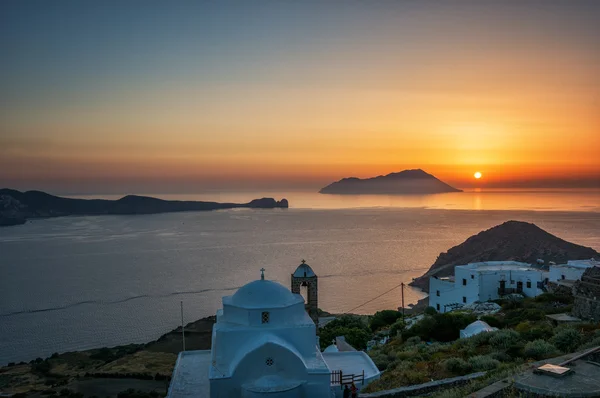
[(304, 276)]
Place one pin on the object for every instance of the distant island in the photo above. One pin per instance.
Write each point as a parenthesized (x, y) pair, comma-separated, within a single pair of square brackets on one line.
[(17, 207), (512, 240), (405, 182)]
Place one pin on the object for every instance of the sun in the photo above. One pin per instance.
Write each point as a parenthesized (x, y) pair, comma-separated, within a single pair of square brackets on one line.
[(477, 175)]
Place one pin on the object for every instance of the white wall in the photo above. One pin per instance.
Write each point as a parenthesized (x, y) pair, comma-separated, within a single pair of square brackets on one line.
[(571, 273), (447, 294)]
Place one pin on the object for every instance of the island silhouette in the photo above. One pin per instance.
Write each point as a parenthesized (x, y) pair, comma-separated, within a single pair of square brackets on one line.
[(415, 181), (16, 207)]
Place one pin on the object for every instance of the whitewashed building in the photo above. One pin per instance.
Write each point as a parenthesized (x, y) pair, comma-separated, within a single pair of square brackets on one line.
[(264, 344), (572, 270), (484, 281)]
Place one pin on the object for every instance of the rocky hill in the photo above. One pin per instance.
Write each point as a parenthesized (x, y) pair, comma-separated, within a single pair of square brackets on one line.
[(512, 240), (405, 182), (16, 207)]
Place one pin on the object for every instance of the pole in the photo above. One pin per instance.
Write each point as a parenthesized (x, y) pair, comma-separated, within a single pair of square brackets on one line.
[(402, 284), (182, 328)]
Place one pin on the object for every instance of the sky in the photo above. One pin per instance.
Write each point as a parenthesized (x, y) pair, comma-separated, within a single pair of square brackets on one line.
[(144, 96)]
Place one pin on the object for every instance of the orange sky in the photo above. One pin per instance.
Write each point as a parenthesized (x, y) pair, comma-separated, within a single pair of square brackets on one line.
[(302, 103)]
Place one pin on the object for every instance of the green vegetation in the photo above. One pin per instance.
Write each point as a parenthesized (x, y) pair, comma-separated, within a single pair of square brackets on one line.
[(353, 327), (384, 318), (430, 349)]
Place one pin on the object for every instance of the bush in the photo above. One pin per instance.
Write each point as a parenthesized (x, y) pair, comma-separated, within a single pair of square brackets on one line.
[(539, 349), (397, 327), (352, 327), (530, 331), (567, 340), (430, 311), (441, 327), (356, 337), (492, 321), (457, 366), (42, 367), (482, 363), (504, 339), (384, 318), (413, 340), (380, 359)]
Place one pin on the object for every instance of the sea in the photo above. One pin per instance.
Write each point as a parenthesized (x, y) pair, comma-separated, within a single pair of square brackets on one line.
[(75, 283)]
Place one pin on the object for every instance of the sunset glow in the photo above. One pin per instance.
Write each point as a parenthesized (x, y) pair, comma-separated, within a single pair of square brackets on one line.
[(298, 95), (477, 175)]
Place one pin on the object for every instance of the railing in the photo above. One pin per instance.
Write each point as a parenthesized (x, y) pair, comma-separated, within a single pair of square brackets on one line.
[(507, 290), (337, 377)]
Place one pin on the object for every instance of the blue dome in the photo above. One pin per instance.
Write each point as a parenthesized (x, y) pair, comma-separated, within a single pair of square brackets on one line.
[(264, 294)]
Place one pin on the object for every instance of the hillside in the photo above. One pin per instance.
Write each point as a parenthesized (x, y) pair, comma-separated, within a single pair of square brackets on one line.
[(405, 182), (16, 207), (512, 240)]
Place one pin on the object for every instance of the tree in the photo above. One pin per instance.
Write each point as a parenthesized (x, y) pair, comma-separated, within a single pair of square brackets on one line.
[(384, 318)]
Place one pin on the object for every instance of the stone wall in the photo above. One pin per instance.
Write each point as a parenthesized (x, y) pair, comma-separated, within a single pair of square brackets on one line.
[(424, 389), (587, 295)]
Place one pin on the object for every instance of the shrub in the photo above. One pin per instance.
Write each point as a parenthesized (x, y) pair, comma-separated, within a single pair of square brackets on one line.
[(430, 311), (384, 318), (397, 327), (380, 359), (352, 327), (457, 366), (493, 321), (539, 349), (481, 363), (413, 340), (567, 340), (501, 356), (440, 327), (504, 339)]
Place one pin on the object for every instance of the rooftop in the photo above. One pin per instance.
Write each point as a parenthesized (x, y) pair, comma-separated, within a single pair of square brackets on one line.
[(351, 362), (263, 294), (499, 266), (304, 271), (191, 376), (580, 264), (581, 381)]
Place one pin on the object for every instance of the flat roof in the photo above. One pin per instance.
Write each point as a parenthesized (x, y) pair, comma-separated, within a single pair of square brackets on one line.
[(190, 377), (563, 317), (582, 381), (351, 362), (500, 266)]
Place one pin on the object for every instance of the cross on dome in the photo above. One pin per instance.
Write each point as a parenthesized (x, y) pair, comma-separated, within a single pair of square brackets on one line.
[(262, 274)]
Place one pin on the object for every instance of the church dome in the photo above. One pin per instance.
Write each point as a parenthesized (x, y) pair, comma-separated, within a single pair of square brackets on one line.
[(304, 271), (264, 294)]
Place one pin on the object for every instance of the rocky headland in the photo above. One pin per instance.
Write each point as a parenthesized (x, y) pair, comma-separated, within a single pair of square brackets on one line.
[(405, 182), (512, 240), (17, 207)]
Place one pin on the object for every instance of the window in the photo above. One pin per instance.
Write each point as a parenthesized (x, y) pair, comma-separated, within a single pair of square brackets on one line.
[(528, 284), (464, 299), (437, 306), (265, 317), (472, 276), (464, 282), (269, 362), (437, 293)]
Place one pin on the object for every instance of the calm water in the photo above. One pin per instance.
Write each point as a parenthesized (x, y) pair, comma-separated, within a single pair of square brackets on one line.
[(81, 282)]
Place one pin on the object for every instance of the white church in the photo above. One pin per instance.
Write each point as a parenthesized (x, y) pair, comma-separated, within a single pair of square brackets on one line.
[(264, 344)]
